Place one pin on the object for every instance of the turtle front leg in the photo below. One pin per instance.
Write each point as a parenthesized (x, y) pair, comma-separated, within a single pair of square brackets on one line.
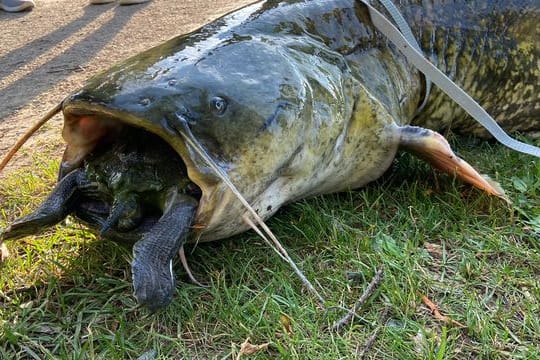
[(153, 278), (59, 204)]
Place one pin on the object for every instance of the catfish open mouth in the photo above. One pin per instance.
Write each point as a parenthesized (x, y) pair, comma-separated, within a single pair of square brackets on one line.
[(116, 177), (127, 175), (129, 184)]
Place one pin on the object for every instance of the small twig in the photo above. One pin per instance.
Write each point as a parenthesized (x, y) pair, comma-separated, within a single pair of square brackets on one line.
[(373, 285), (64, 69), (371, 340), (20, 142), (437, 314)]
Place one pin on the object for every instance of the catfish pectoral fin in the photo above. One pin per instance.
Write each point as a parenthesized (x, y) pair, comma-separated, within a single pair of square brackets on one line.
[(153, 278), (54, 209), (433, 148)]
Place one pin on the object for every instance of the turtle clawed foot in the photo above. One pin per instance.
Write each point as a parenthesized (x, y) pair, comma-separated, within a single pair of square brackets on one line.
[(153, 278), (153, 285)]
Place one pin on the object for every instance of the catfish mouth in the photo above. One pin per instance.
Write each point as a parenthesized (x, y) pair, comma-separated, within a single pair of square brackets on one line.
[(119, 155)]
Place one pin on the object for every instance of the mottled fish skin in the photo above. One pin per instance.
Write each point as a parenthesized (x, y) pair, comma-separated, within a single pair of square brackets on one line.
[(489, 47), (315, 95)]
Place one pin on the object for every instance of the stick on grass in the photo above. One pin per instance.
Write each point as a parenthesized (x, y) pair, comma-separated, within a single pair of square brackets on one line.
[(371, 339), (373, 285), (24, 138)]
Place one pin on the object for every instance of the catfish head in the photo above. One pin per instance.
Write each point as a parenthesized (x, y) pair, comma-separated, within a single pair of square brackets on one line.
[(127, 171)]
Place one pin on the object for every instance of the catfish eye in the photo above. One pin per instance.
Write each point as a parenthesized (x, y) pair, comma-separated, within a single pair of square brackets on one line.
[(219, 104)]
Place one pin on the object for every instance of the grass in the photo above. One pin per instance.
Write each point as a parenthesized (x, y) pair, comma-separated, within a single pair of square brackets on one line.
[(67, 295)]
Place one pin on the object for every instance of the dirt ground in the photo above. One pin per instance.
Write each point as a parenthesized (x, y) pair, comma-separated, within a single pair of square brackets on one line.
[(51, 51)]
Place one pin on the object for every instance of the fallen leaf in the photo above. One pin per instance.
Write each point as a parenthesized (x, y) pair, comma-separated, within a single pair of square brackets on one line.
[(286, 322), (4, 252), (437, 314), (434, 250), (247, 348)]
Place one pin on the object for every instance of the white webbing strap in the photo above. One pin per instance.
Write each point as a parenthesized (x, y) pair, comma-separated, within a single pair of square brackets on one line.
[(431, 72), (407, 33)]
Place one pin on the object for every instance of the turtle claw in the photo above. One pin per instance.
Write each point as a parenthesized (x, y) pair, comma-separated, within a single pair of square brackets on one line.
[(153, 277), (153, 286)]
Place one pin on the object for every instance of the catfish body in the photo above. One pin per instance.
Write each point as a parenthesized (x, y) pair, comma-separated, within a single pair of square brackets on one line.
[(297, 98)]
